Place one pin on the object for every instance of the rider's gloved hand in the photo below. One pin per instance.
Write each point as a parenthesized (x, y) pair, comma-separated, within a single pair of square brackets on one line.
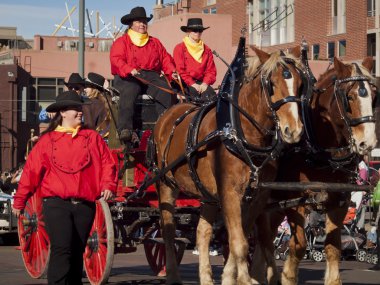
[(203, 87), (196, 87), (135, 72)]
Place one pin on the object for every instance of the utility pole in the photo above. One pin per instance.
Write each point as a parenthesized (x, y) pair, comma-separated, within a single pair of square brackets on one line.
[(81, 38)]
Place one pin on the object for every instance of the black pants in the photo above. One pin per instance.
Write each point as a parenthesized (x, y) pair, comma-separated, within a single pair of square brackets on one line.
[(208, 95), (68, 226), (130, 87)]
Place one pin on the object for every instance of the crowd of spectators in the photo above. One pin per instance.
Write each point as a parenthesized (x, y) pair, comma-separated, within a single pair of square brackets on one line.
[(9, 179)]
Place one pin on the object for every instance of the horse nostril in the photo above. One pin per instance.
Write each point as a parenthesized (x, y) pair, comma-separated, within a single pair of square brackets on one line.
[(363, 146), (287, 132)]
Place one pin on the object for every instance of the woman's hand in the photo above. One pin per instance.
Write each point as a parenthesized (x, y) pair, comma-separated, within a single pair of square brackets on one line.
[(107, 195), (196, 87), (135, 72), (203, 87), (16, 212), (175, 75)]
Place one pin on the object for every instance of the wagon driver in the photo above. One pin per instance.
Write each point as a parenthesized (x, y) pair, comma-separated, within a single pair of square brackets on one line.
[(195, 62), (135, 55), (72, 167)]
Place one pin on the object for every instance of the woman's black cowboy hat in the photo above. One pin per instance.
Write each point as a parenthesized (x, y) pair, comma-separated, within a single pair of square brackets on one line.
[(194, 24), (136, 13), (75, 80), (65, 100), (95, 80)]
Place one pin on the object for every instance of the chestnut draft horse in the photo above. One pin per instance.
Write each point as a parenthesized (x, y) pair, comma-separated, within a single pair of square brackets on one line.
[(268, 115), (340, 128)]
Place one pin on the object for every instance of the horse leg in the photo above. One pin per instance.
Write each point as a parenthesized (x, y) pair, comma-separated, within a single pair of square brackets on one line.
[(297, 246), (237, 261), (204, 234), (334, 222), (167, 200)]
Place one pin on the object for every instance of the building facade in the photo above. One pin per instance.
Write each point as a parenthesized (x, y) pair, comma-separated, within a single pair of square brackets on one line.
[(347, 29)]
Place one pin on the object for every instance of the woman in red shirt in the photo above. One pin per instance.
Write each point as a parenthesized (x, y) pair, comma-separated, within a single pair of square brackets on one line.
[(71, 167), (195, 61), (138, 55)]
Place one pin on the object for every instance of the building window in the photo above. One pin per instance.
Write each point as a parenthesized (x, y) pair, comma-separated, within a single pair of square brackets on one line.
[(338, 16), (210, 2), (213, 10), (342, 48), (272, 21), (330, 50), (47, 90), (206, 11), (371, 8), (315, 52)]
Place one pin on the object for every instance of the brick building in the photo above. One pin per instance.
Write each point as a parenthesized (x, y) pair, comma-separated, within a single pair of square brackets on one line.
[(348, 29)]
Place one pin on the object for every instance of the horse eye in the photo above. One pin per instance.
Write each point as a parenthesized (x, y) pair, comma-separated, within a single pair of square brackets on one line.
[(363, 92), (287, 74), (349, 98)]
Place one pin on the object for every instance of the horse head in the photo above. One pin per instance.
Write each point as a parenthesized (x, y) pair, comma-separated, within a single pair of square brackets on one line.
[(281, 83), (350, 105)]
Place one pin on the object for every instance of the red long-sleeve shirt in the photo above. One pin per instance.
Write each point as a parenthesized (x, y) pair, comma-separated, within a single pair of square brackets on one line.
[(125, 56), (191, 70), (80, 167)]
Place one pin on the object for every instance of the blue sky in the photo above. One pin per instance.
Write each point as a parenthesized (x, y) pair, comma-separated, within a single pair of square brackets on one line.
[(39, 16)]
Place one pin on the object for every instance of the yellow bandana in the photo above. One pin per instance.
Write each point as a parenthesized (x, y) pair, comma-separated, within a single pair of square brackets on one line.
[(72, 131), (194, 49), (138, 39)]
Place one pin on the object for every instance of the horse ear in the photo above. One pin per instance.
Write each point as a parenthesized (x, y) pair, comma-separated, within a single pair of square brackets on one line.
[(262, 55), (296, 51), (368, 63), (342, 69)]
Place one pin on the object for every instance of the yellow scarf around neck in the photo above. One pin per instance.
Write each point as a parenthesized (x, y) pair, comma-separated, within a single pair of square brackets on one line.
[(72, 131), (195, 49), (138, 39)]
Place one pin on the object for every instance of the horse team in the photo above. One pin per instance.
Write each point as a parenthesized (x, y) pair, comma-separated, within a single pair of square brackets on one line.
[(283, 128)]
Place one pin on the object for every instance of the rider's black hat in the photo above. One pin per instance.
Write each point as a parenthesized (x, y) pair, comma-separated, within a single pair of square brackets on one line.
[(65, 100), (136, 13), (194, 24)]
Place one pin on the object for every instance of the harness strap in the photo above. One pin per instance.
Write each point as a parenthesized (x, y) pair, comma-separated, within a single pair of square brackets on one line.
[(191, 142), (155, 85)]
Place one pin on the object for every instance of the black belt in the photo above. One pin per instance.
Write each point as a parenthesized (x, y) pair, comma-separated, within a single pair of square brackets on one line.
[(74, 201)]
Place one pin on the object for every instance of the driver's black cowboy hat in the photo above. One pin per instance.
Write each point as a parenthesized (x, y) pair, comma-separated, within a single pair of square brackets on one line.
[(136, 14), (194, 24), (75, 80), (95, 80), (65, 100)]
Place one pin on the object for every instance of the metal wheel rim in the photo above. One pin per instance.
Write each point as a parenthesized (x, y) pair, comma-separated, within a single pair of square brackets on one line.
[(156, 257), (361, 255), (34, 240), (99, 252), (317, 256)]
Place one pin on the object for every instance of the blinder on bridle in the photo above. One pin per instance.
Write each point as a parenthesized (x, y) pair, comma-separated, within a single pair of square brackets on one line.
[(268, 86), (342, 94)]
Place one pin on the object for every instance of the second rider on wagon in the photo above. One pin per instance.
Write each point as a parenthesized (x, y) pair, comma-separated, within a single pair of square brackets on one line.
[(195, 61), (136, 55)]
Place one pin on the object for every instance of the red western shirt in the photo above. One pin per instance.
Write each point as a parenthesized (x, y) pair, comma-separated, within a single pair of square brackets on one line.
[(61, 166), (191, 70), (125, 56)]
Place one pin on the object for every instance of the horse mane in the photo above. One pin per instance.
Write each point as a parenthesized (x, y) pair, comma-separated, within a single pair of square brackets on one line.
[(365, 72), (327, 74), (270, 65)]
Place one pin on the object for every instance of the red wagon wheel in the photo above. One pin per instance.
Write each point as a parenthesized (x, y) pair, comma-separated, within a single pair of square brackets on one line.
[(34, 240), (98, 256), (155, 252)]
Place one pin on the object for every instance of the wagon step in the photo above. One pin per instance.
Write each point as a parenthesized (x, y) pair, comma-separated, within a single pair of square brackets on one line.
[(315, 186), (161, 240)]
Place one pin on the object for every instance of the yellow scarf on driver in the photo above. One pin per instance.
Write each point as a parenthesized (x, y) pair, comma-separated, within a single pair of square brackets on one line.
[(195, 49), (72, 131), (138, 39)]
